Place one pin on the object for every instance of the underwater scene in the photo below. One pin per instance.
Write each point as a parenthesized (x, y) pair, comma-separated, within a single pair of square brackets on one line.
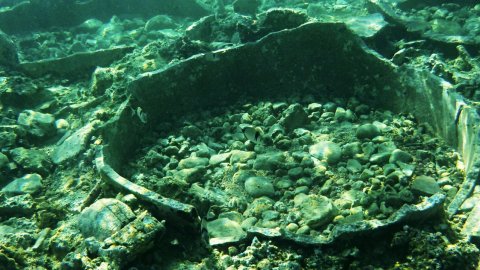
[(239, 134)]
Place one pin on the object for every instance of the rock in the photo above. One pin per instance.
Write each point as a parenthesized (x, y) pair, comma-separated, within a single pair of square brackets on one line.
[(257, 186), (132, 240), (219, 158), (37, 124), (7, 138), (295, 173), (17, 205), (367, 131), (316, 210), (3, 160), (380, 158), (246, 7), (8, 51), (425, 185), (159, 22), (294, 117), (102, 79), (354, 165), (190, 175), (269, 161), (399, 155), (471, 227), (192, 162), (326, 150), (32, 160), (284, 184), (340, 114), (351, 149), (239, 156), (224, 231), (90, 25), (258, 206), (27, 184), (191, 131), (73, 145), (104, 218)]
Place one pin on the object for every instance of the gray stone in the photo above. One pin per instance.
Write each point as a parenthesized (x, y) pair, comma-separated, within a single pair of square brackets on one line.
[(239, 156), (28, 184), (219, 158), (326, 150), (269, 161), (258, 186), (32, 160), (399, 155), (37, 124), (316, 210), (425, 185), (223, 231), (294, 117), (192, 162), (104, 218), (73, 145), (367, 131)]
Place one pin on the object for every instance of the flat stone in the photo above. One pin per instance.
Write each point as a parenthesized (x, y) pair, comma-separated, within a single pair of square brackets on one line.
[(326, 150), (380, 158), (257, 186), (316, 210), (104, 218), (367, 131), (28, 184), (223, 231), (425, 185), (73, 145)]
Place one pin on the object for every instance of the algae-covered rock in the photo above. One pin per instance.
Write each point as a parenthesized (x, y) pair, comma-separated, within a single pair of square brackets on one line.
[(425, 185), (367, 131), (247, 7), (192, 162), (28, 184), (18, 205), (269, 161), (294, 117), (103, 218), (72, 145)]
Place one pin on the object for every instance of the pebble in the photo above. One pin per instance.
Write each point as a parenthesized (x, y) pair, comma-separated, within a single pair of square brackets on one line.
[(37, 124), (239, 156), (399, 155), (316, 210), (295, 117), (32, 160), (192, 162), (258, 186), (219, 158), (224, 230)]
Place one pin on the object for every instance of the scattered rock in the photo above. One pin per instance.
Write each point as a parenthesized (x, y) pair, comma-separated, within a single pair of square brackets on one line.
[(28, 184), (37, 124), (104, 218), (239, 156), (219, 158), (73, 145), (367, 131), (399, 155), (192, 162), (32, 160), (316, 210), (224, 231), (294, 117), (269, 161), (425, 185), (326, 150), (258, 186)]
